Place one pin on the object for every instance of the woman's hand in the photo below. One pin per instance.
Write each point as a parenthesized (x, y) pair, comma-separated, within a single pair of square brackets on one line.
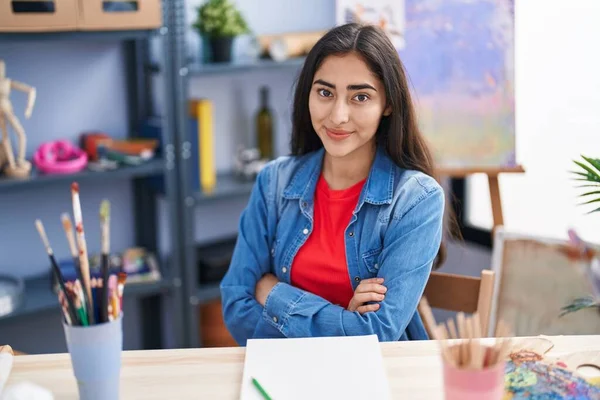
[(368, 290), (264, 287)]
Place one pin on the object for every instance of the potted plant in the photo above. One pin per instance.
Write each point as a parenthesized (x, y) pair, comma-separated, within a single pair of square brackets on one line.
[(219, 22), (588, 174)]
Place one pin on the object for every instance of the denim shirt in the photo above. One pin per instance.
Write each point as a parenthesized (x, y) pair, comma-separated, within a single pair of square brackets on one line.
[(394, 233)]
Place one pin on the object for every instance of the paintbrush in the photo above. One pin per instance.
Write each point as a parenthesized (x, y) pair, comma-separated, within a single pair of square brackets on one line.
[(105, 227), (68, 227), (121, 288), (57, 273), (115, 308), (83, 256)]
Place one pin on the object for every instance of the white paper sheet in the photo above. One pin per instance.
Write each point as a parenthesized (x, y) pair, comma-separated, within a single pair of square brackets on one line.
[(349, 367)]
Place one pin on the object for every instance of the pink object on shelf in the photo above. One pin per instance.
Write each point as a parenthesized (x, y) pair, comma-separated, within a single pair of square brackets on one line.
[(60, 157), (474, 384)]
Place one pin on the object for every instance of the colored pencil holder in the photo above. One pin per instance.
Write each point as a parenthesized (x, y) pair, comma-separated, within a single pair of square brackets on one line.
[(96, 358), (462, 383)]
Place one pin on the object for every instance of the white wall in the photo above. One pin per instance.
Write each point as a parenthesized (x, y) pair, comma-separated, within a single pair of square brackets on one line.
[(557, 119)]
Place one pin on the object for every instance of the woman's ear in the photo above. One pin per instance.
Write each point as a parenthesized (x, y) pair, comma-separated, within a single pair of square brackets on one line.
[(387, 111)]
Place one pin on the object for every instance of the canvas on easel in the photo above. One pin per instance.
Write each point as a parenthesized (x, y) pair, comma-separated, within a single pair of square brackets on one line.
[(535, 278), (462, 86)]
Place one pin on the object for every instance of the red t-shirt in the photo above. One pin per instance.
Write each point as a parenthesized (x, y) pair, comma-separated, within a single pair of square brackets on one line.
[(320, 265)]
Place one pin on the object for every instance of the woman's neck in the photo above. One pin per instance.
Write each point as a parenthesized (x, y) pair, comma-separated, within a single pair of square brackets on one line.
[(341, 173)]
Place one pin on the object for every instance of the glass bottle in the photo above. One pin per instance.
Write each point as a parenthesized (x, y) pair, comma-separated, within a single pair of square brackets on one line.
[(264, 125)]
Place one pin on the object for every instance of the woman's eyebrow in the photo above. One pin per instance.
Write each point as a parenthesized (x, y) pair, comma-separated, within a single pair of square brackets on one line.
[(360, 86)]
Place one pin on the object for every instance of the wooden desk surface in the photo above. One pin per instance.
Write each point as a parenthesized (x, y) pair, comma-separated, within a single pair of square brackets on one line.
[(414, 370)]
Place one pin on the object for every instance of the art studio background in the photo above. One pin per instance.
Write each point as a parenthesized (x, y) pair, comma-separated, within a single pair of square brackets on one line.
[(523, 94)]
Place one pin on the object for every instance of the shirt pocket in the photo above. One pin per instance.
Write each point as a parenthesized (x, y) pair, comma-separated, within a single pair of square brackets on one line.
[(371, 260)]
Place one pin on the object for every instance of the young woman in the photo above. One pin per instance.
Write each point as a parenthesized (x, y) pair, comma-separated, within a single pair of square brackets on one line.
[(340, 237)]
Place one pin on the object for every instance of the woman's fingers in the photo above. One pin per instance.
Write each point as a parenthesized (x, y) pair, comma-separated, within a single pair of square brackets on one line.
[(372, 280), (368, 308), (370, 287), (361, 298)]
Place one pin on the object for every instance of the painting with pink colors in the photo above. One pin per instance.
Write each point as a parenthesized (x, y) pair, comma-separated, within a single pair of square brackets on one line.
[(459, 56)]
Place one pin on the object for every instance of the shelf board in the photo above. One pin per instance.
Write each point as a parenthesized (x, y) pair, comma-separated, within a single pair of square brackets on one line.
[(228, 185), (38, 296), (152, 167), (77, 35), (208, 292), (241, 66)]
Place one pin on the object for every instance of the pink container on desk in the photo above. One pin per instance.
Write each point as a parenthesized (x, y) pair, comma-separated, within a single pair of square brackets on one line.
[(474, 384)]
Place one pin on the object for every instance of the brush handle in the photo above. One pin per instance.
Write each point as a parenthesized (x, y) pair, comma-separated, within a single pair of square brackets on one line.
[(61, 281), (104, 291), (88, 304)]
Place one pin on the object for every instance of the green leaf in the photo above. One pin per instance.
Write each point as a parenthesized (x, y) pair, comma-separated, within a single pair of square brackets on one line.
[(593, 211), (579, 173), (597, 185), (590, 193), (595, 162), (588, 169), (588, 177), (590, 202)]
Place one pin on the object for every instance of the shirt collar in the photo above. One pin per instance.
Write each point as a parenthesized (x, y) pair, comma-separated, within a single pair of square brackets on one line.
[(378, 189)]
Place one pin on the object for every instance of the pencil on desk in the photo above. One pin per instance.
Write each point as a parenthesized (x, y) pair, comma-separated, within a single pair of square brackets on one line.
[(261, 390), (83, 256)]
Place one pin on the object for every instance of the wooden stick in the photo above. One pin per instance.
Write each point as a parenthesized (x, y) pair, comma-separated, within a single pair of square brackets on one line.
[(471, 343), (502, 345), (479, 351), (443, 340), (429, 319), (83, 255), (453, 335), (462, 332)]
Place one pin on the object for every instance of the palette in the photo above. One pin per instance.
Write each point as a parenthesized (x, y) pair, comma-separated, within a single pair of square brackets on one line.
[(530, 375)]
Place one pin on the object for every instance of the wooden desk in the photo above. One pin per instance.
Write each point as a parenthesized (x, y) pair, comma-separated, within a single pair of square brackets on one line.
[(414, 370)]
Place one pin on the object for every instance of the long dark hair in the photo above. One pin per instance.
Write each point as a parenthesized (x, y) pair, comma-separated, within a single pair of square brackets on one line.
[(398, 133)]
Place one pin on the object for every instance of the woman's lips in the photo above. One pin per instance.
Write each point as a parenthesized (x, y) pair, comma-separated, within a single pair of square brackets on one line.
[(337, 134)]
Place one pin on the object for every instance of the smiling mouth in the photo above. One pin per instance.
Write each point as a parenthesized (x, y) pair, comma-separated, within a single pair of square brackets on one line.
[(337, 134)]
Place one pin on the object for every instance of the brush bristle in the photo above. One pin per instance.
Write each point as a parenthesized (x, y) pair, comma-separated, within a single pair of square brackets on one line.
[(105, 210), (66, 221)]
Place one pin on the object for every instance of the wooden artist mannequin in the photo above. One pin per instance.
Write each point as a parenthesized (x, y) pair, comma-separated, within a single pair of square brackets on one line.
[(19, 167)]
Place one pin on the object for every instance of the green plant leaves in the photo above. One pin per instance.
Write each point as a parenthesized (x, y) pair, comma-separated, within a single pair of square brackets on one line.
[(589, 172), (220, 18)]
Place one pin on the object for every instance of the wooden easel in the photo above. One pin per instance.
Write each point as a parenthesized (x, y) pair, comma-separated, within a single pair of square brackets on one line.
[(492, 174)]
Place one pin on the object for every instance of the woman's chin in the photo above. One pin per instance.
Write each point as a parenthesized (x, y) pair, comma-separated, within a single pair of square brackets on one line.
[(337, 150)]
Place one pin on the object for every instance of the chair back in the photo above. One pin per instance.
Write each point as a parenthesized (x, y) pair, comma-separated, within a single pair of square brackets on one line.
[(459, 293)]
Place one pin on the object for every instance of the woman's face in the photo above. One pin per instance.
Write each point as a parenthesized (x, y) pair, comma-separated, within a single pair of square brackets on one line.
[(346, 104)]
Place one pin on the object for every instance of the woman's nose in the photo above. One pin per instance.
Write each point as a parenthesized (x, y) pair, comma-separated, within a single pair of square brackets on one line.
[(340, 113)]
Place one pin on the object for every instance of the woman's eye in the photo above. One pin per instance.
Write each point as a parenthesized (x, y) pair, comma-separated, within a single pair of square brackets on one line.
[(361, 98), (324, 92)]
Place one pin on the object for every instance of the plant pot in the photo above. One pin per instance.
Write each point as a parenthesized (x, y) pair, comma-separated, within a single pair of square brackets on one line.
[(221, 48)]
